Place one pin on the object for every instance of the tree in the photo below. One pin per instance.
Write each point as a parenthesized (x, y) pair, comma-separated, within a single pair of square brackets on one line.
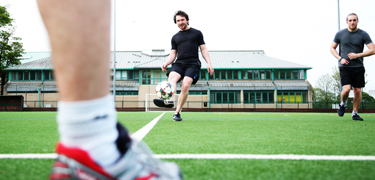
[(336, 83), (367, 97), (323, 93), (4, 17), (11, 48)]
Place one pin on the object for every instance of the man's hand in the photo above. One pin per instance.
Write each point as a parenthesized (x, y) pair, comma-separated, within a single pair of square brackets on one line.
[(353, 56), (210, 69), (164, 67), (344, 61)]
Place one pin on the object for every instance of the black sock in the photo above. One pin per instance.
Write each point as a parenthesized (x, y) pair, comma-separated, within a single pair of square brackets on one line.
[(123, 140)]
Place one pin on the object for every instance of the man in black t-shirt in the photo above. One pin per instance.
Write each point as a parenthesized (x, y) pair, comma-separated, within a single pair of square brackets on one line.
[(350, 60), (187, 66)]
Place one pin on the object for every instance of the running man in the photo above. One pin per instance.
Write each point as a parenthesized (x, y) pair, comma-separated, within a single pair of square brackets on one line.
[(187, 66), (92, 145), (350, 61)]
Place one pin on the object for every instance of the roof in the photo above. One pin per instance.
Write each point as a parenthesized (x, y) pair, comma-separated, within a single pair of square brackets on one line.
[(32, 56), (246, 59), (249, 59), (45, 63)]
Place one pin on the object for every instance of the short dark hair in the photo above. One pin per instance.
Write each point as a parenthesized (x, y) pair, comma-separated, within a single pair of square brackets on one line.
[(180, 13), (351, 14)]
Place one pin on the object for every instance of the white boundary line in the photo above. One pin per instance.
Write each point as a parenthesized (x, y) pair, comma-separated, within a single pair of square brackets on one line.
[(217, 156), (263, 156), (140, 134)]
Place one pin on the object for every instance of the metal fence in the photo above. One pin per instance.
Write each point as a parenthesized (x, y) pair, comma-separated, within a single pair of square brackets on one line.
[(205, 104)]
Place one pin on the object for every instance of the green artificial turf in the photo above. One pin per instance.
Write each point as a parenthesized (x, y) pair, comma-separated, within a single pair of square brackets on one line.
[(211, 133)]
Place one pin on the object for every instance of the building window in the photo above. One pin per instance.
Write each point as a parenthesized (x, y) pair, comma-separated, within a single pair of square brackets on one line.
[(217, 75), (38, 75), (243, 74), (256, 74), (288, 74), (235, 74), (133, 75), (194, 92), (146, 76), (124, 75), (276, 74), (258, 97), (19, 75), (47, 75), (153, 76), (301, 74), (203, 74), (225, 97), (295, 74), (127, 93), (118, 75), (26, 75), (282, 74), (32, 75), (292, 96), (229, 74), (268, 74), (13, 75)]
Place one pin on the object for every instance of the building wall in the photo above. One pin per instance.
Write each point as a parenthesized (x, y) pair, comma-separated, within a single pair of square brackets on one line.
[(33, 99)]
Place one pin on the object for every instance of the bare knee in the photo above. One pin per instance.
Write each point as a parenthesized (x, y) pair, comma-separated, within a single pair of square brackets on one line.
[(357, 91), (346, 89), (185, 87)]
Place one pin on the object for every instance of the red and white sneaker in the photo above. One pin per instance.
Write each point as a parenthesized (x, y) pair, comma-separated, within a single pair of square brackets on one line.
[(137, 163)]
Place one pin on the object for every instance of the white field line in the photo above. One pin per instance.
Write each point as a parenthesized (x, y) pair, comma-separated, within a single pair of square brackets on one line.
[(140, 134), (217, 156), (264, 156)]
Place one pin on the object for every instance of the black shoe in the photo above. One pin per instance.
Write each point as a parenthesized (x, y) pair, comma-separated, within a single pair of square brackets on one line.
[(177, 117), (341, 110), (357, 118), (163, 103)]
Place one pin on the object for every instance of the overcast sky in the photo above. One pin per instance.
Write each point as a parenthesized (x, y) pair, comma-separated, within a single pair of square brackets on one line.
[(299, 31)]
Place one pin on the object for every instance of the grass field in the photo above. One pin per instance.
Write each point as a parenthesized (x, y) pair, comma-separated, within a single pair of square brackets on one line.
[(215, 133)]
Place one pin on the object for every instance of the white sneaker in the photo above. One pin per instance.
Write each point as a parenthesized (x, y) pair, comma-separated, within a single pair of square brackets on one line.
[(138, 163)]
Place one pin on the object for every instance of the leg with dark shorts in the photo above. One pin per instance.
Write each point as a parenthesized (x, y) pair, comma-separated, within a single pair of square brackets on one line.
[(191, 77), (358, 83), (176, 68), (193, 72), (351, 78)]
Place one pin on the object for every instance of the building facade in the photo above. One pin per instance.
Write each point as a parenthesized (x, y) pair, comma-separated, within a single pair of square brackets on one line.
[(242, 79)]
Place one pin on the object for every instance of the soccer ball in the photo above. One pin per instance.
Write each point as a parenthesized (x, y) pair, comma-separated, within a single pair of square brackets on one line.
[(164, 90)]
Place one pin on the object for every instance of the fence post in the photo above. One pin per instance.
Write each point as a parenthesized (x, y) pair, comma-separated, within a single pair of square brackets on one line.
[(39, 97)]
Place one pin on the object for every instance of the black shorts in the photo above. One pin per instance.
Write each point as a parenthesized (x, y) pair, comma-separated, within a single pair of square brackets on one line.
[(352, 76), (189, 70)]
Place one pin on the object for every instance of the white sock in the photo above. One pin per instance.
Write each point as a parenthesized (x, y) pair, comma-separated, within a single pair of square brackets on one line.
[(91, 126), (342, 103), (354, 113)]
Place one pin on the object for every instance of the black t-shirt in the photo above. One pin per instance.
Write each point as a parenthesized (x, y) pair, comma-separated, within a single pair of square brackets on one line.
[(352, 42), (186, 44)]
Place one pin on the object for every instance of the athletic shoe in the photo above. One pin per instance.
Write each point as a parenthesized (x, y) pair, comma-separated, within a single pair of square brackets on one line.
[(137, 163), (163, 103), (357, 118), (177, 117), (341, 110)]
